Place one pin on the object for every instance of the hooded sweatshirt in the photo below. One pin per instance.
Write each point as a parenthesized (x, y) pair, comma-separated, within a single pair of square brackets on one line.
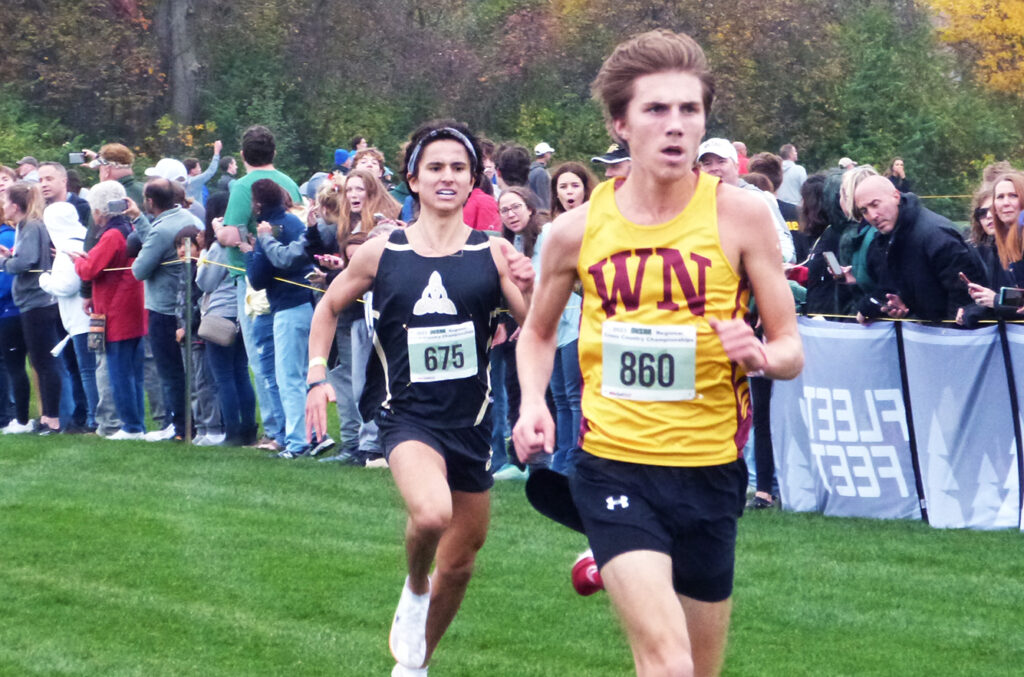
[(67, 235)]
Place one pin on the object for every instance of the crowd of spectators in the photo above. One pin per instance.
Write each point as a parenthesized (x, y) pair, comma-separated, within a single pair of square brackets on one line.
[(94, 283)]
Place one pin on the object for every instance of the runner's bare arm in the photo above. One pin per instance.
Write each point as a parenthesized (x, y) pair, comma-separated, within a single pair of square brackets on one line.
[(350, 284), (516, 273), (535, 431), (749, 240)]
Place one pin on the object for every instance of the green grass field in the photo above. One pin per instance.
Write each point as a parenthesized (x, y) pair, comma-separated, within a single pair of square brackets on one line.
[(153, 559)]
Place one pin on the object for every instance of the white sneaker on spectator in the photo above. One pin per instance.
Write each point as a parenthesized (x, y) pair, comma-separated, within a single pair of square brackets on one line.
[(125, 435), (160, 435), (201, 441), (379, 462), (216, 438), (408, 639), (401, 671), (15, 428)]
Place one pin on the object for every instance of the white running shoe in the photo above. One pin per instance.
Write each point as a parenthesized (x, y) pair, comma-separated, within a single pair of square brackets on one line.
[(408, 639), (160, 435), (378, 462), (401, 671), (15, 428), (208, 440), (216, 438), (125, 435)]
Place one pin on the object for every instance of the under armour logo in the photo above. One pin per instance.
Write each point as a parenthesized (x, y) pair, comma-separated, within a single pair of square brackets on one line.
[(621, 502), (434, 298)]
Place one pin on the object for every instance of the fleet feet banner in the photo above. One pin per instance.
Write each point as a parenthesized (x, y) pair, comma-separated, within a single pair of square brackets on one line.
[(839, 430), (1015, 336), (963, 425)]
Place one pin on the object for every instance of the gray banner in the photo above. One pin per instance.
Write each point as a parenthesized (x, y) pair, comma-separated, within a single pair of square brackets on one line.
[(964, 426), (839, 430)]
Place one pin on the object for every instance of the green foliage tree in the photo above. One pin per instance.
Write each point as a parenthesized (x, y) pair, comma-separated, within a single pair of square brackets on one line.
[(863, 78)]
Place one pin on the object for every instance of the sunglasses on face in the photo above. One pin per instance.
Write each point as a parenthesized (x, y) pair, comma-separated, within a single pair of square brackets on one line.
[(981, 212)]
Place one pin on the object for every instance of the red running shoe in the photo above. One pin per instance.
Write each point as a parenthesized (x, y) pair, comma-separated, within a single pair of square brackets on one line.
[(586, 579)]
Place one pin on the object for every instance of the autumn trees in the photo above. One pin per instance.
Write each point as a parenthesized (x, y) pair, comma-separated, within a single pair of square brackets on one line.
[(935, 81)]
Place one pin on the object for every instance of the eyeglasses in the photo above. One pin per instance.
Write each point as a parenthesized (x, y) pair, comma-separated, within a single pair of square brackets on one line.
[(512, 208), (981, 212)]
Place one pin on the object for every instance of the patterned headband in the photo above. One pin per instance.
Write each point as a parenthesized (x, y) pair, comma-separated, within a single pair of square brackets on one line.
[(449, 132)]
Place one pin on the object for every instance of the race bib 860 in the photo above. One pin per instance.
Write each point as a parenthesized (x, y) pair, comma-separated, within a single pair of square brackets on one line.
[(650, 363)]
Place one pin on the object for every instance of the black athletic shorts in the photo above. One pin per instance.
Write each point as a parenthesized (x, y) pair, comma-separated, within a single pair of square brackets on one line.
[(466, 451), (687, 513)]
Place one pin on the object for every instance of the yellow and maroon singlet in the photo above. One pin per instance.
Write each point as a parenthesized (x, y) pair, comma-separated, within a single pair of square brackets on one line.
[(658, 388)]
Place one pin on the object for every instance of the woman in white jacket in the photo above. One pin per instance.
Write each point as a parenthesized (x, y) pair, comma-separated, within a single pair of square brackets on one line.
[(67, 234)]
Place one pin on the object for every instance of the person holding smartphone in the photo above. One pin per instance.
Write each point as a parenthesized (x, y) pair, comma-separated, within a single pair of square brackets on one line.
[(996, 234), (917, 256)]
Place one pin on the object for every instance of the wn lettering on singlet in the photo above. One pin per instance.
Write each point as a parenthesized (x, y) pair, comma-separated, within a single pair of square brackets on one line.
[(435, 318), (658, 388)]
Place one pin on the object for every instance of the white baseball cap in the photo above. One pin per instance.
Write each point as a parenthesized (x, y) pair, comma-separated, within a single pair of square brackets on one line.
[(170, 169), (542, 148), (718, 146)]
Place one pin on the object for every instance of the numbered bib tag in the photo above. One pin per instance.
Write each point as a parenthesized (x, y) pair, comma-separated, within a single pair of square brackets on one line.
[(442, 353), (650, 363)]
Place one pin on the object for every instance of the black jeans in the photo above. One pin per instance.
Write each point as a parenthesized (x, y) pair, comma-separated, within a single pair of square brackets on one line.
[(167, 355), (12, 346), (41, 328), (764, 461)]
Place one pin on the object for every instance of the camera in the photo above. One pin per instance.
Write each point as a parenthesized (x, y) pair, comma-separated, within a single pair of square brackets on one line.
[(76, 158), (119, 206), (1011, 296)]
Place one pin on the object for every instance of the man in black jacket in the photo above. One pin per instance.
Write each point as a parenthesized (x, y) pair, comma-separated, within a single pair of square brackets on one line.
[(917, 256)]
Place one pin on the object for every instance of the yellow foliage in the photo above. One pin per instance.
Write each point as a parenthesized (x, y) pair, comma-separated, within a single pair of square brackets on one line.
[(993, 31)]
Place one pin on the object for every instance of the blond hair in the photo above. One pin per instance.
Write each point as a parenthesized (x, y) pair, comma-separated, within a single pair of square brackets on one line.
[(851, 179)]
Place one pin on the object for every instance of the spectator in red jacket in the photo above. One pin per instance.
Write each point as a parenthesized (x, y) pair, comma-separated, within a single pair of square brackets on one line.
[(118, 296)]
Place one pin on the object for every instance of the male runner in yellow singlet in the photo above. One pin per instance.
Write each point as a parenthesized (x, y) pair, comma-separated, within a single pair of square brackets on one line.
[(667, 262)]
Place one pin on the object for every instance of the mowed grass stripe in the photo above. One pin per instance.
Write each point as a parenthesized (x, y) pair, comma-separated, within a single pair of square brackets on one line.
[(155, 559)]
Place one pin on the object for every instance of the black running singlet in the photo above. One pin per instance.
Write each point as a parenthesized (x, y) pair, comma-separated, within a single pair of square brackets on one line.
[(435, 318)]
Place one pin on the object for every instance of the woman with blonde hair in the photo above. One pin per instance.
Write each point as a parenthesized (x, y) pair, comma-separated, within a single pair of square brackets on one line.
[(364, 196), (40, 319)]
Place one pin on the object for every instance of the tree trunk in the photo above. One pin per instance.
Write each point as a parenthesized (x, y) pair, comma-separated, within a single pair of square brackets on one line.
[(178, 54)]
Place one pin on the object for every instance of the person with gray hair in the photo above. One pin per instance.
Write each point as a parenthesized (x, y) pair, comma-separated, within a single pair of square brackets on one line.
[(118, 298)]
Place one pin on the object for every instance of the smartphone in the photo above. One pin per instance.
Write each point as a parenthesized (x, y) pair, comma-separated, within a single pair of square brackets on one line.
[(963, 278), (378, 217), (311, 274), (833, 264), (118, 206), (76, 158), (1011, 296)]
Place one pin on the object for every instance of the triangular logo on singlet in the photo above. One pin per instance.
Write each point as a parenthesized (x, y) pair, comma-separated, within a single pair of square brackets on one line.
[(434, 298)]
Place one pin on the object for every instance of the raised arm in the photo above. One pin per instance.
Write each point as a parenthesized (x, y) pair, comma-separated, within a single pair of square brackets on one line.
[(210, 170), (535, 431)]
